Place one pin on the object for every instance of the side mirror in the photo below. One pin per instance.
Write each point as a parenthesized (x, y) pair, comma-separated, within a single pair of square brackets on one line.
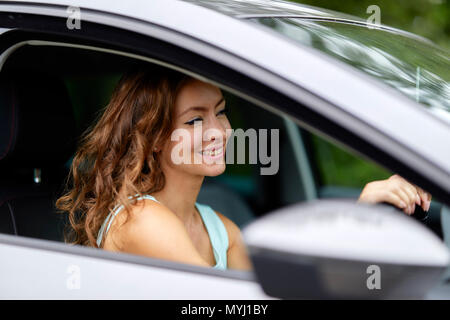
[(339, 249)]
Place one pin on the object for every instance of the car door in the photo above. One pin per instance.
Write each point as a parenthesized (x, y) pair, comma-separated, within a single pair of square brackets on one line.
[(39, 265)]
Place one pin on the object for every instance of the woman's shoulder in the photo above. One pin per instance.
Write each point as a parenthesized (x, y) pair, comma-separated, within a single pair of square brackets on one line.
[(153, 230), (150, 214), (146, 218)]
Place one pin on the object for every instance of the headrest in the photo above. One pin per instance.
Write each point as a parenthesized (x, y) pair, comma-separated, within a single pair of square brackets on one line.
[(37, 124)]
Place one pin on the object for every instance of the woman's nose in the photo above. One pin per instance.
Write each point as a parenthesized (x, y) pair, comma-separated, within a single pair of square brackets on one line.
[(215, 131)]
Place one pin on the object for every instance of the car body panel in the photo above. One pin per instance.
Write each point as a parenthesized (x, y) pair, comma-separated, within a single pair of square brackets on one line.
[(51, 270)]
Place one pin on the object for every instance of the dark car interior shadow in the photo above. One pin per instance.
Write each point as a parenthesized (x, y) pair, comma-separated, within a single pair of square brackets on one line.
[(50, 95)]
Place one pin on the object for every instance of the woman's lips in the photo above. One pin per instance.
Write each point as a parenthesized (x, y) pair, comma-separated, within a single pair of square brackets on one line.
[(212, 153)]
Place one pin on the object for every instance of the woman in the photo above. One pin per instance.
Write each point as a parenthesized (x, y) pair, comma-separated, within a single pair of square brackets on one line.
[(131, 194)]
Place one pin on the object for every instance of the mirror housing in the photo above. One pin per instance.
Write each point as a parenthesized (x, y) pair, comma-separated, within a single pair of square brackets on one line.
[(340, 249)]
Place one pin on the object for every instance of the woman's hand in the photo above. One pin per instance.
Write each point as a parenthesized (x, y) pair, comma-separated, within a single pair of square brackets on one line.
[(397, 191)]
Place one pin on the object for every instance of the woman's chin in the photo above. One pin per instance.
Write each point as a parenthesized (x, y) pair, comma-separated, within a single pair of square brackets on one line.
[(212, 170)]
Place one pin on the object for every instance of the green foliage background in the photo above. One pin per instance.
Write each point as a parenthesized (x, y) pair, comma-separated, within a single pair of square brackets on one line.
[(428, 18)]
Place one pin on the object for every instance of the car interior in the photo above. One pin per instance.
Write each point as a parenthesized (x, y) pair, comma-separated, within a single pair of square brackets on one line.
[(50, 95)]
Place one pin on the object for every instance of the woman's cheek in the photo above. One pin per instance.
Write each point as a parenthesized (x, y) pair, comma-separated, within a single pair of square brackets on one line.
[(196, 145)]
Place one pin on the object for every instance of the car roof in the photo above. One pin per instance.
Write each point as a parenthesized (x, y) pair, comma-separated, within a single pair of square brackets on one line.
[(237, 9)]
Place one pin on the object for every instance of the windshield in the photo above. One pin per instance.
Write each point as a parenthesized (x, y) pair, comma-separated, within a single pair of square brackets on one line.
[(418, 69)]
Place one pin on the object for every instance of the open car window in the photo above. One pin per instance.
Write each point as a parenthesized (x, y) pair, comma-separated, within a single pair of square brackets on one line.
[(60, 103)]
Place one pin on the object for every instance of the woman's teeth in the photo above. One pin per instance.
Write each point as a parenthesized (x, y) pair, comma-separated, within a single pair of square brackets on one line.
[(212, 153)]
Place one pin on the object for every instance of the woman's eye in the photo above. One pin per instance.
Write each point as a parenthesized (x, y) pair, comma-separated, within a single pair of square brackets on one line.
[(223, 111), (191, 122)]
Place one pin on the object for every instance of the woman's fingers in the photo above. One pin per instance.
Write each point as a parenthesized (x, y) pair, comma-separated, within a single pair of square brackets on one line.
[(394, 199), (412, 194), (425, 198), (405, 198), (416, 195), (398, 192), (406, 191), (412, 191)]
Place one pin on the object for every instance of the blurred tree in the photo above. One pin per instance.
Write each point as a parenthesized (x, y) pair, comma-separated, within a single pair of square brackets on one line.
[(428, 18)]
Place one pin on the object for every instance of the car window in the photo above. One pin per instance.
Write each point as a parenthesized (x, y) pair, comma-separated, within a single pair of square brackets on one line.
[(263, 191), (337, 171), (417, 69), (243, 192), (342, 173), (242, 184), (86, 104)]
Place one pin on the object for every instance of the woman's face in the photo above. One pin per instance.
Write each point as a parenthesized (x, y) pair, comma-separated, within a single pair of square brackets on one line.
[(200, 131)]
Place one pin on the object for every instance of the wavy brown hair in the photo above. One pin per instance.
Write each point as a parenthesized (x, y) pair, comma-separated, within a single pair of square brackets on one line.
[(115, 157)]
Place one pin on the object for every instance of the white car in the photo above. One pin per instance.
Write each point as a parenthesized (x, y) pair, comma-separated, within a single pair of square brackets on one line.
[(314, 74)]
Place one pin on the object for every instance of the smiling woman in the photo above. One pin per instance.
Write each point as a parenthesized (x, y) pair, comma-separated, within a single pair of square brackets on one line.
[(128, 152), (160, 135)]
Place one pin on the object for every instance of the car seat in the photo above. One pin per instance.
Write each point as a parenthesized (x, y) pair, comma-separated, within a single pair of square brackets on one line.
[(37, 137)]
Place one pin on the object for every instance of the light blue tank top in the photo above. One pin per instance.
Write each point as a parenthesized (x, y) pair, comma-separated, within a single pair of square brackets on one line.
[(216, 230)]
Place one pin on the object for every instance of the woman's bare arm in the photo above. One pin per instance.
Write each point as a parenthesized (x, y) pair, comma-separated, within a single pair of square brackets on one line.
[(237, 256), (154, 231)]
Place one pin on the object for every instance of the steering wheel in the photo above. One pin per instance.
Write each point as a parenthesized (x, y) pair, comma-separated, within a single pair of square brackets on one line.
[(419, 214)]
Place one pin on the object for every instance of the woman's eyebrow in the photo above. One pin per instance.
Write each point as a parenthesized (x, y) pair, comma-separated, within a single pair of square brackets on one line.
[(201, 107)]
